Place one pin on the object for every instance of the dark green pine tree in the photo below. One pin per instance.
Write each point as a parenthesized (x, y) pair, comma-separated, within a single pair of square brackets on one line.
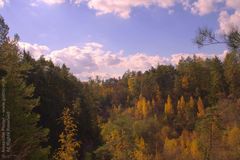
[(232, 73), (25, 135), (210, 131), (218, 84)]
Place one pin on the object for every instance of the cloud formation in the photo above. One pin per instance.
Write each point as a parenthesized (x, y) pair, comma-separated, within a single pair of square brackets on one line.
[(203, 7), (228, 22), (35, 50), (2, 3), (92, 59), (123, 8), (52, 2), (235, 4)]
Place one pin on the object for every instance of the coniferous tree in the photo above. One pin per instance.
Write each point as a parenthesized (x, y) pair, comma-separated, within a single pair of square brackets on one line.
[(232, 73), (218, 84), (140, 152), (158, 106), (168, 106), (210, 133), (191, 102), (181, 104), (25, 135), (143, 107), (233, 143), (200, 107), (170, 148)]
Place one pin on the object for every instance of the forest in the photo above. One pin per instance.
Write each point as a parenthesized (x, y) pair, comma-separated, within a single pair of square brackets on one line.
[(189, 111)]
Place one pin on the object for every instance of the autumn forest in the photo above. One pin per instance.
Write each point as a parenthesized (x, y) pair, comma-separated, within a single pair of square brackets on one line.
[(188, 111)]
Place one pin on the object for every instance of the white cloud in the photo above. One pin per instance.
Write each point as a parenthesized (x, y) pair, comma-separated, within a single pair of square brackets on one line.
[(120, 8), (34, 4), (93, 59), (123, 8), (52, 2), (142, 61), (35, 50), (78, 59), (165, 3), (89, 61), (77, 2), (228, 22), (203, 7), (233, 4), (186, 4), (3, 2)]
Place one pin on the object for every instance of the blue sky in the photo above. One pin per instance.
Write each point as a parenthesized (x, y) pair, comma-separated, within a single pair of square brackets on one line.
[(125, 30)]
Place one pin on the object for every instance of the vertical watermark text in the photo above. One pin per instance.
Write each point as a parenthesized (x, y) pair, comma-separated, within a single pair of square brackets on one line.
[(5, 126)]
